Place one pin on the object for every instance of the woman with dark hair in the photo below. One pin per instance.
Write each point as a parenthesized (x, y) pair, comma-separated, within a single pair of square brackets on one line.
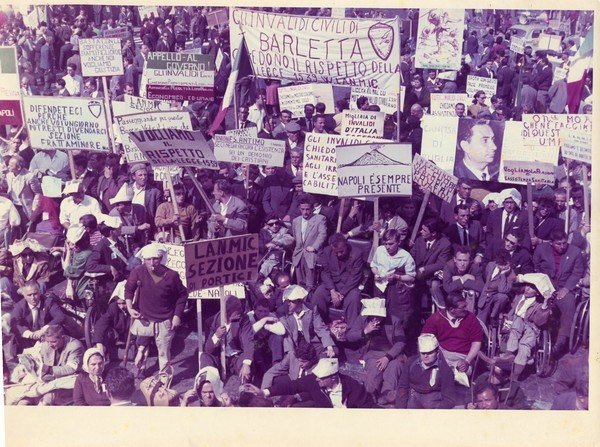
[(478, 105), (110, 183)]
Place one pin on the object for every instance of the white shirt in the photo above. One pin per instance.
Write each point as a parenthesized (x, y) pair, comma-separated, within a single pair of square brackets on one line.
[(477, 172), (298, 318), (139, 195), (303, 227), (70, 212), (503, 220), (8, 214), (43, 162), (523, 305), (73, 84), (16, 184), (335, 394), (386, 264)]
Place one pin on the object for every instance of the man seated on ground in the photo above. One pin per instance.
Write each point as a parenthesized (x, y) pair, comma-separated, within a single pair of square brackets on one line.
[(487, 397), (576, 399), (120, 385), (461, 275), (381, 343), (426, 380), (341, 275), (326, 387)]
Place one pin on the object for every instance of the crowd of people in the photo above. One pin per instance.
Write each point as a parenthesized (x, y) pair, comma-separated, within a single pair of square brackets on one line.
[(339, 283)]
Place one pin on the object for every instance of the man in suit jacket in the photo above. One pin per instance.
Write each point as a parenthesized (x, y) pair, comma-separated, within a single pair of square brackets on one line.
[(243, 122), (230, 213), (306, 122), (510, 217), (511, 246), (326, 387), (381, 343), (239, 341), (310, 232), (545, 222), (466, 232), (499, 278), (138, 62), (341, 275), (462, 197), (486, 71), (565, 277), (476, 152), (296, 364), (32, 315), (462, 274), (145, 198), (61, 358), (23, 188)]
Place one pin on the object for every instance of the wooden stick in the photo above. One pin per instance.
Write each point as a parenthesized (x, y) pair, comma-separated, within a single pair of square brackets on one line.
[(200, 331), (530, 209), (424, 204), (169, 182), (223, 323), (198, 186), (128, 342), (71, 164), (568, 197), (586, 195), (108, 116), (375, 233), (340, 215)]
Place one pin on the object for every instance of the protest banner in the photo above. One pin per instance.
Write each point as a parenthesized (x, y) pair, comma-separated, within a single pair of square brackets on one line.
[(559, 73), (435, 180), (179, 76), (217, 18), (544, 129), (443, 104), (121, 33), (101, 56), (524, 172), (133, 106), (175, 260), (165, 147), (223, 261), (66, 123), (440, 39), (247, 132), (387, 102), (252, 150), (577, 145), (439, 140), (476, 83), (360, 123), (10, 88), (147, 11), (294, 97), (549, 42), (517, 44), (339, 51), (374, 169)]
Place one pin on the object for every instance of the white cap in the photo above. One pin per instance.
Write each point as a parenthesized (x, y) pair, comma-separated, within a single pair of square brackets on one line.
[(51, 187), (326, 367), (152, 250), (119, 292), (427, 343), (110, 221), (541, 281), (19, 246), (294, 292), (492, 197), (125, 194), (510, 193), (72, 187), (373, 307), (75, 233)]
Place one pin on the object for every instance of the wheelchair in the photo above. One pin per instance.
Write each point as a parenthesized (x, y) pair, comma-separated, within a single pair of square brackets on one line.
[(580, 327)]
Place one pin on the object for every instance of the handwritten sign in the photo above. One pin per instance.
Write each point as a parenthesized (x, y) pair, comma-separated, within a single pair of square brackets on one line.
[(517, 44), (387, 101), (577, 145), (10, 94), (439, 41), (522, 172), (360, 123), (439, 140), (101, 56), (430, 177), (544, 129), (443, 104), (241, 149), (294, 97), (476, 83)]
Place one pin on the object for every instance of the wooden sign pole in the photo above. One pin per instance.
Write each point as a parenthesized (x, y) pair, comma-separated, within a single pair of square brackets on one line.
[(108, 116), (200, 331), (174, 201), (567, 214), (223, 323), (340, 215), (417, 226), (530, 209), (586, 194), (198, 186), (71, 164), (375, 233)]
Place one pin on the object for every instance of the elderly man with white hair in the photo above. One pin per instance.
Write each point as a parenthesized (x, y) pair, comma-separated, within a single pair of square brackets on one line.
[(161, 299)]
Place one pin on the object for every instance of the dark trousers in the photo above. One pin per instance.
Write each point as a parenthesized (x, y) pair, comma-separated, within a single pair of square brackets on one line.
[(350, 304)]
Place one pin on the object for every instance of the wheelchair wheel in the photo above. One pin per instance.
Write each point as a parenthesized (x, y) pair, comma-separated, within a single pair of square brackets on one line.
[(585, 339), (543, 364), (577, 326), (92, 314), (492, 337)]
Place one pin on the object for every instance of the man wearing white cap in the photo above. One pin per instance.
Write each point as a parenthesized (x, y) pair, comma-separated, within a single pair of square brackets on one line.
[(303, 323), (76, 204), (426, 380), (134, 229), (326, 387), (161, 302), (510, 217), (382, 344)]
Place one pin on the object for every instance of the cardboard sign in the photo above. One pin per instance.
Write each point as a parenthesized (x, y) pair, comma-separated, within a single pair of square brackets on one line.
[(360, 123), (517, 44), (549, 42), (338, 12), (120, 33), (351, 52), (223, 261), (559, 73), (294, 97), (439, 140), (440, 38), (147, 11), (374, 170), (476, 83), (66, 123), (179, 76), (577, 145), (242, 149), (387, 101), (237, 289), (218, 17), (160, 173), (429, 176), (165, 147), (443, 104), (248, 132), (10, 97), (521, 172), (132, 106), (544, 129), (101, 56), (176, 261)]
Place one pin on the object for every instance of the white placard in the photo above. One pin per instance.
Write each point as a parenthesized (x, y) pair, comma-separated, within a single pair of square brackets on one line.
[(440, 38), (387, 101), (444, 104), (294, 97), (101, 56), (476, 83), (439, 140), (360, 123), (242, 149)]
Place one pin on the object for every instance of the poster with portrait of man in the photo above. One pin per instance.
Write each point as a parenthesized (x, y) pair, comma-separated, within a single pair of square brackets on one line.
[(478, 149)]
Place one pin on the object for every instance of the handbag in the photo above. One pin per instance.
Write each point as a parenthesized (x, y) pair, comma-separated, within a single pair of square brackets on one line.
[(157, 389)]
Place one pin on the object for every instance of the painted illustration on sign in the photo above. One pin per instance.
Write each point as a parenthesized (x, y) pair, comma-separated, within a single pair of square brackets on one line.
[(439, 41)]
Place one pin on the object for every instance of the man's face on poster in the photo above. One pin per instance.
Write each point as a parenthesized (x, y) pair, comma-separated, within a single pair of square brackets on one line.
[(480, 148), (459, 109)]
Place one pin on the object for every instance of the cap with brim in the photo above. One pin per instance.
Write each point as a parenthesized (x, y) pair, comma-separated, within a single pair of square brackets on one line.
[(373, 307), (294, 293), (326, 367), (292, 126), (136, 167), (75, 233), (427, 343), (72, 187), (297, 180)]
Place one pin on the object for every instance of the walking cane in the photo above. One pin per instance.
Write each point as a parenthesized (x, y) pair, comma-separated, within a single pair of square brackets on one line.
[(128, 342)]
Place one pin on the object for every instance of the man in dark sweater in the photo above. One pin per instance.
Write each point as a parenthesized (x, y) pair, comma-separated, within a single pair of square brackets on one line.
[(160, 302)]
